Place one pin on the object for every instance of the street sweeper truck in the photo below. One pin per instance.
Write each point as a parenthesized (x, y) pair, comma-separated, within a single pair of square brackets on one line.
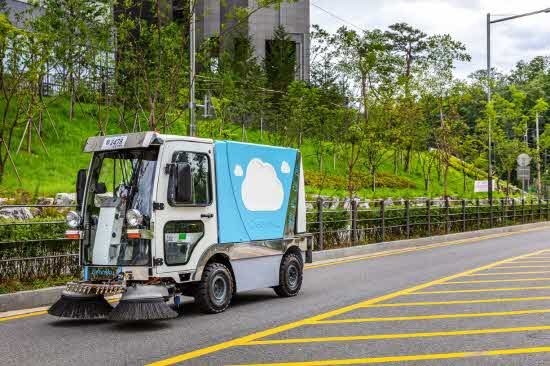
[(160, 216)]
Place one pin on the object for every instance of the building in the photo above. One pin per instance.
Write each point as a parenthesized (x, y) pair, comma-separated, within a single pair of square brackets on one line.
[(214, 17), (18, 11)]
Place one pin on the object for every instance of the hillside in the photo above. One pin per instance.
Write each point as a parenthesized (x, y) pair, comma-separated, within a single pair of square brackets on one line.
[(52, 172)]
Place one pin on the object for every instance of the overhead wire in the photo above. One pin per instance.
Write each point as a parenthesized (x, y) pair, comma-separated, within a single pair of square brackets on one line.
[(337, 17)]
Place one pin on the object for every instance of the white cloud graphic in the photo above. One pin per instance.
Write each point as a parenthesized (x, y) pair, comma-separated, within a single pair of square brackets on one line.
[(261, 189), (285, 168), (238, 171)]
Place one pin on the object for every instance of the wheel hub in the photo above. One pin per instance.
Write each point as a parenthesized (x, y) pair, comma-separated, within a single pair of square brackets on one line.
[(292, 276), (219, 289)]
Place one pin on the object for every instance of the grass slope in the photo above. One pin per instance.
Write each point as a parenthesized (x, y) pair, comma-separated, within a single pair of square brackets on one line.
[(46, 174)]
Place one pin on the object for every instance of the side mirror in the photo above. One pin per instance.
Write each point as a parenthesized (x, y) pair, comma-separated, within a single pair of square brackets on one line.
[(181, 184), (80, 186)]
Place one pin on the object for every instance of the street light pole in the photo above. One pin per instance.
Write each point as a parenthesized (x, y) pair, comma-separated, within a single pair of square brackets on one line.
[(489, 80), (192, 127)]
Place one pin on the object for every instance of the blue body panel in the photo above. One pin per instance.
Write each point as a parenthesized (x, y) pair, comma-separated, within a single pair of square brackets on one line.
[(253, 184)]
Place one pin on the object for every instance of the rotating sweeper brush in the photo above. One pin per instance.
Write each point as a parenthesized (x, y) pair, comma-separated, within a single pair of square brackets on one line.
[(143, 302), (79, 306), (84, 301)]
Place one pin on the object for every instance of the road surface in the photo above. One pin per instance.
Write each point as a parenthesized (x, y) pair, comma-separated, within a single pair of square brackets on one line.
[(483, 301)]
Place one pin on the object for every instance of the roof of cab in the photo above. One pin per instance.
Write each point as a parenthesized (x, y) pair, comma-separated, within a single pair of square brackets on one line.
[(138, 140)]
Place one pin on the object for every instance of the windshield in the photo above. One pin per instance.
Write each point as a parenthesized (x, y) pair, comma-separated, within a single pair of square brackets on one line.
[(119, 181)]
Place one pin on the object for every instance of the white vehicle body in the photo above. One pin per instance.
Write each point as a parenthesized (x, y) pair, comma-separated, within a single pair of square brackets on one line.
[(242, 205)]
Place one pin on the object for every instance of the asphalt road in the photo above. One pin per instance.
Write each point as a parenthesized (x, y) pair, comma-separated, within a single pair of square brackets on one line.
[(477, 302)]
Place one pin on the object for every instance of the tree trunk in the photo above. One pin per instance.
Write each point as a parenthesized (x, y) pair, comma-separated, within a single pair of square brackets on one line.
[(445, 173), (364, 95), (509, 176), (29, 136), (350, 180), (408, 159), (464, 179), (73, 97), (1, 167)]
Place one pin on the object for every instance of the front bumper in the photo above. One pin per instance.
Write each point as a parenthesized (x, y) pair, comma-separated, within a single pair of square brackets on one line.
[(86, 288)]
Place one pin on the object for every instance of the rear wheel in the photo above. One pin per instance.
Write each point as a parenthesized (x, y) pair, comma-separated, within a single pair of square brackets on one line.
[(215, 290), (290, 276)]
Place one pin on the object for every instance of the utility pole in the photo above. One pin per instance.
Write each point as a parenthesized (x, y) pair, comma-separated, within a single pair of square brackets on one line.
[(192, 127), (489, 79), (539, 183)]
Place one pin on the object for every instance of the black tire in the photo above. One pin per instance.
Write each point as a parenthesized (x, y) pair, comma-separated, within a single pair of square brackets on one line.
[(214, 292), (290, 276)]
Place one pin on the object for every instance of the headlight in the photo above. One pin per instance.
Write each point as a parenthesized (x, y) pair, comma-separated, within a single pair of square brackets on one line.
[(134, 217), (73, 219)]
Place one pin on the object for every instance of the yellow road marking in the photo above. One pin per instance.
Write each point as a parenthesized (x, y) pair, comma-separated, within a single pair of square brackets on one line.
[(36, 313), (454, 302), (433, 356), (532, 260), (480, 290), (13, 317), (371, 337), (507, 273), (269, 332), (496, 281), (429, 317), (511, 267)]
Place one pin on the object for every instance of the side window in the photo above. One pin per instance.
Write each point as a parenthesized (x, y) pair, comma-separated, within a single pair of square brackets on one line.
[(200, 175), (180, 238)]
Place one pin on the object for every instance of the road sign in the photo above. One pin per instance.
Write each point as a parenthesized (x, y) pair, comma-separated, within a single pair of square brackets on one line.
[(523, 160)]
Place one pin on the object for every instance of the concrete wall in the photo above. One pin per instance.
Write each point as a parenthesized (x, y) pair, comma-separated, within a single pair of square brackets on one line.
[(213, 18), (295, 19), (16, 10)]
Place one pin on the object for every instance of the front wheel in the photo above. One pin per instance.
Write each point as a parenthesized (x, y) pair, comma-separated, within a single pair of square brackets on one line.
[(215, 290), (290, 276)]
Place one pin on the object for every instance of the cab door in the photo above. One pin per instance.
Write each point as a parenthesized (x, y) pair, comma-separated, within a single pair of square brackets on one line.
[(183, 230)]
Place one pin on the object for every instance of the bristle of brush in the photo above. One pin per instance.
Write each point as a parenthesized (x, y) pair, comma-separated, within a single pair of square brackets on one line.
[(90, 307)]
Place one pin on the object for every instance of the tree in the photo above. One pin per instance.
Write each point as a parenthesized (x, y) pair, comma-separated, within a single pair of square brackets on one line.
[(152, 66), (74, 23), (443, 52), (449, 136), (375, 143), (411, 44), (353, 142), (507, 152), (360, 56), (23, 54), (280, 60)]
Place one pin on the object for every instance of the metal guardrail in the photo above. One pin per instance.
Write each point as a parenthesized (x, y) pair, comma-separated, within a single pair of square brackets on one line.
[(37, 249), (354, 222)]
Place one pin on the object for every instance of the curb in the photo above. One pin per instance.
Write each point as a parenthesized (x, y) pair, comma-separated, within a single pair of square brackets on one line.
[(30, 299), (47, 296), (419, 242)]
